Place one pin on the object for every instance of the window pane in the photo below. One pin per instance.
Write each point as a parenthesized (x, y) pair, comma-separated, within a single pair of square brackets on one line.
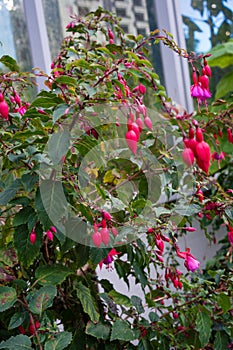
[(136, 16), (206, 23), (13, 33)]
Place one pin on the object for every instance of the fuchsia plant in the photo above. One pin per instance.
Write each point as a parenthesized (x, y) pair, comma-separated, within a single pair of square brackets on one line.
[(84, 167)]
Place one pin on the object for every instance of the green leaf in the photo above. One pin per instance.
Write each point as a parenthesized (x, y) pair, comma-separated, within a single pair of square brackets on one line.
[(98, 330), (58, 145), (203, 325), (59, 112), (26, 251), (224, 302), (52, 275), (120, 299), (20, 342), (41, 212), (10, 63), (88, 303), (9, 192), (137, 303), (66, 80), (46, 101), (222, 55), (225, 85), (121, 331), (22, 216), (16, 320), (29, 180), (42, 299), (54, 201), (96, 254), (221, 341), (59, 342), (7, 298)]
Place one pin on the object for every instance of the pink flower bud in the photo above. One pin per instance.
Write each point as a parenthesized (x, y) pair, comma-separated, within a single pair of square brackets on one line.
[(97, 239), (105, 236), (53, 229), (148, 123), (188, 156), (114, 231), (4, 110), (49, 235), (190, 229), (131, 139), (32, 237), (142, 89), (107, 216)]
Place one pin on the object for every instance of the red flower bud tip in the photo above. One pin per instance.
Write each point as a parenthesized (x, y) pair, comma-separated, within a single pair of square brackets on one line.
[(219, 132), (150, 230), (131, 139), (107, 216), (160, 244), (175, 315), (49, 235), (4, 110), (191, 133), (164, 238), (148, 123), (111, 41), (22, 330), (110, 34), (190, 229), (37, 324), (199, 135), (180, 285), (200, 215), (17, 99), (31, 329), (230, 234), (105, 236), (229, 135), (142, 89), (207, 69), (32, 237), (103, 223), (114, 231), (97, 239), (53, 229), (188, 156)]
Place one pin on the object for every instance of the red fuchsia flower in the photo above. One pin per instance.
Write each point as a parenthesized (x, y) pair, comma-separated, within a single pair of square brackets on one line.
[(230, 234), (191, 263), (200, 195), (203, 156), (110, 34), (53, 229), (114, 231), (96, 237), (109, 259)]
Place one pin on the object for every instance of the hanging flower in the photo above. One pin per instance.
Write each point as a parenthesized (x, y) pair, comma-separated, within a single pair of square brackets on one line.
[(109, 258), (191, 263)]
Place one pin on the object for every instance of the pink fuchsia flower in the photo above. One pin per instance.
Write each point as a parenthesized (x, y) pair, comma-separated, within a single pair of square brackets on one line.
[(109, 258), (230, 234), (191, 263), (216, 156)]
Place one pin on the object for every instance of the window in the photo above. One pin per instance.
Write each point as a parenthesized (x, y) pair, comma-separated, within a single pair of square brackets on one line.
[(121, 12), (13, 33), (139, 17)]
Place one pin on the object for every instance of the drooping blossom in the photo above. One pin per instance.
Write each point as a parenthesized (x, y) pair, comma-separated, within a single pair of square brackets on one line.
[(109, 259), (191, 263)]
